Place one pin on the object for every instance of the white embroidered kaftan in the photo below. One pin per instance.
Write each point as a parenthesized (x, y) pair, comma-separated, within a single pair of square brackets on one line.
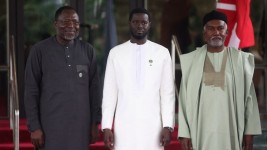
[(139, 94)]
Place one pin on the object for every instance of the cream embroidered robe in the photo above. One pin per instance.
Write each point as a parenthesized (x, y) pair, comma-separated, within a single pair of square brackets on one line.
[(212, 117)]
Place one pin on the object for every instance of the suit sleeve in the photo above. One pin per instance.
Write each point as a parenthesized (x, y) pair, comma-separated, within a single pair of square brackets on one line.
[(33, 75), (252, 117), (110, 94), (167, 95), (94, 91), (182, 115)]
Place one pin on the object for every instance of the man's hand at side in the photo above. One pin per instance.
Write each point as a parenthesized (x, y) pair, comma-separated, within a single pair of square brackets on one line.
[(165, 137), (186, 143), (108, 138), (37, 138), (247, 142)]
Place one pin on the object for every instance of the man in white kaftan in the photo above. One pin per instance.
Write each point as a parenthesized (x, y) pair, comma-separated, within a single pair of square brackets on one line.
[(217, 102), (138, 92)]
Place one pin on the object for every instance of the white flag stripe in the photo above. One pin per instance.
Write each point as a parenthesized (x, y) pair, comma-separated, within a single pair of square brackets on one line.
[(226, 6), (234, 40)]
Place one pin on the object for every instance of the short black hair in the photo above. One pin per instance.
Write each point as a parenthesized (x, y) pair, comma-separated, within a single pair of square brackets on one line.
[(60, 10), (139, 10)]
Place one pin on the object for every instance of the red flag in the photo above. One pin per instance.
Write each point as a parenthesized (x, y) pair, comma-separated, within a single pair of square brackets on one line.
[(240, 29)]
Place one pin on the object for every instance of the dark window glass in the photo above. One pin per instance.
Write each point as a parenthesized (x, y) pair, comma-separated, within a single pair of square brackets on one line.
[(3, 94), (3, 51)]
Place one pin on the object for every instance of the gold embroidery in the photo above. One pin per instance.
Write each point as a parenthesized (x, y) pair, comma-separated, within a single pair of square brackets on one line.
[(212, 78)]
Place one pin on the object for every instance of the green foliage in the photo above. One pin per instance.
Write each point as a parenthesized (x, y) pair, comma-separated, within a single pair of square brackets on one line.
[(95, 16), (38, 19)]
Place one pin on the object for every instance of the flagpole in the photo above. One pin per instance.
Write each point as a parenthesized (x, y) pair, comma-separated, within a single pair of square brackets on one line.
[(145, 4), (215, 6)]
